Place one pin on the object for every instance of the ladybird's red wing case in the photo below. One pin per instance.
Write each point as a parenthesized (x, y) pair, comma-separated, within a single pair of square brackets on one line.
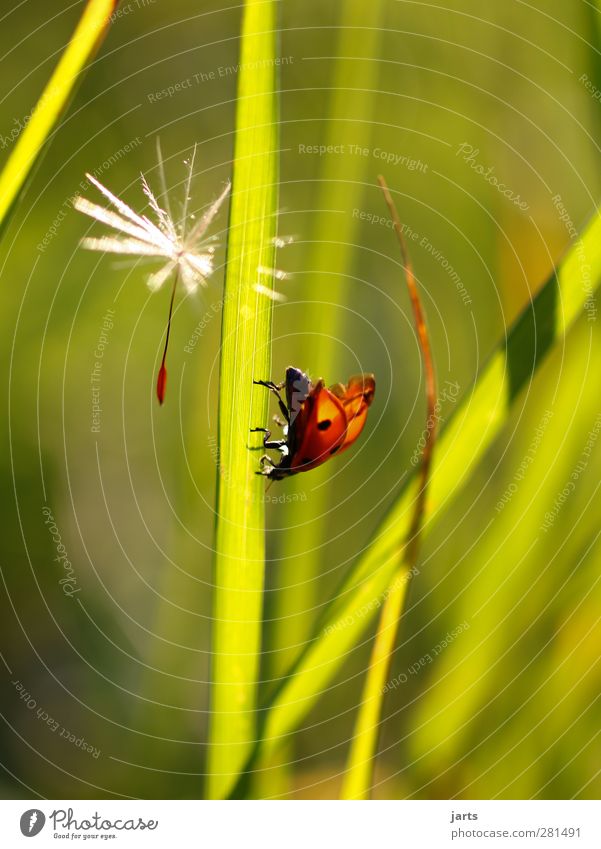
[(319, 429), (356, 398)]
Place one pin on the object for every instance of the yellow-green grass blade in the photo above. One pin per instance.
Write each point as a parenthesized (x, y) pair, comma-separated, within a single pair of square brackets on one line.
[(341, 185), (478, 419), (83, 44), (360, 765), (245, 355)]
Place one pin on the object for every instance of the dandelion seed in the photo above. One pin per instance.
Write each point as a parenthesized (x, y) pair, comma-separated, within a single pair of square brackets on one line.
[(188, 254)]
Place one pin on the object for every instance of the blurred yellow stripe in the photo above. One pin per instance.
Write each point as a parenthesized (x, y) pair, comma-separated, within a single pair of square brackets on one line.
[(54, 99)]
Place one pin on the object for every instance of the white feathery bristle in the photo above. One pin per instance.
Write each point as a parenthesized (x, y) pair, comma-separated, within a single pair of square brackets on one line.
[(156, 280), (138, 235), (118, 245)]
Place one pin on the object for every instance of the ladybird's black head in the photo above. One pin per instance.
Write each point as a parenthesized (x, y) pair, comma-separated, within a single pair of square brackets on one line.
[(298, 387), (296, 376)]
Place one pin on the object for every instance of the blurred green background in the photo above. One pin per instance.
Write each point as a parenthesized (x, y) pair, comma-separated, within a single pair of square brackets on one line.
[(510, 707)]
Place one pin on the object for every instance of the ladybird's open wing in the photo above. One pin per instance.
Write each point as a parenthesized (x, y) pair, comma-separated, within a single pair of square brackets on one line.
[(320, 429), (355, 398)]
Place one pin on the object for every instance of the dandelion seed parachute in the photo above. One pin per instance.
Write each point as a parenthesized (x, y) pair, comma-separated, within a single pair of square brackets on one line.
[(186, 251)]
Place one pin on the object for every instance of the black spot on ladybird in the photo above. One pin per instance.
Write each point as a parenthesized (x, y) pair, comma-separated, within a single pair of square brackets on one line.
[(324, 425), (306, 460), (334, 449)]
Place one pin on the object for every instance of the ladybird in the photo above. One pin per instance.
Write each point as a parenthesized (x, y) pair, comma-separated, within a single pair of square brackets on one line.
[(318, 421)]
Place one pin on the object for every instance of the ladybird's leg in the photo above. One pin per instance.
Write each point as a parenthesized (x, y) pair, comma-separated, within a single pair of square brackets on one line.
[(266, 464), (275, 388), (270, 384), (274, 444), (266, 434), (277, 444), (267, 443), (263, 430), (284, 410)]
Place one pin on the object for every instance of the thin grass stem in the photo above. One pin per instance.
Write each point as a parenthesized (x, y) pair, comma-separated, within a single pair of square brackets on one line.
[(358, 778)]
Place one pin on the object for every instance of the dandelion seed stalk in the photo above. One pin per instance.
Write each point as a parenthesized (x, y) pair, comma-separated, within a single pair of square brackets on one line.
[(162, 377)]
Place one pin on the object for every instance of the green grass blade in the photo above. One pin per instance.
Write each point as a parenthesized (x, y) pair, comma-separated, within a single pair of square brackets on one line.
[(340, 186), (246, 342), (83, 44), (358, 777), (478, 419)]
